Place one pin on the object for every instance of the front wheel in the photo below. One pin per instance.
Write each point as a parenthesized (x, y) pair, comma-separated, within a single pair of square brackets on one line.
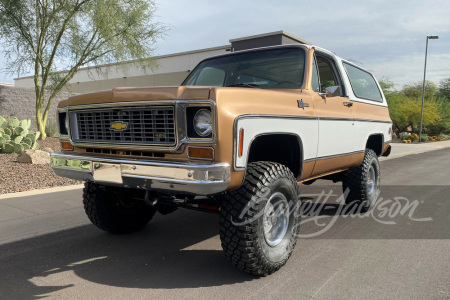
[(260, 221), (363, 182), (116, 210)]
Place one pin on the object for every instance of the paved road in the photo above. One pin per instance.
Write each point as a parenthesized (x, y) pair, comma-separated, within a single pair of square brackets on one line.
[(49, 249)]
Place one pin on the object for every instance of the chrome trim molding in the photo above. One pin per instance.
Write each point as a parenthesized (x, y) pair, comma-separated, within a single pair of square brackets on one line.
[(180, 124), (141, 125), (339, 155), (333, 156), (373, 121), (311, 118), (198, 179)]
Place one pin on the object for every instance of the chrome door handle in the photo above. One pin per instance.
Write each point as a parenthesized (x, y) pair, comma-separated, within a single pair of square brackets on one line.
[(349, 104), (302, 104)]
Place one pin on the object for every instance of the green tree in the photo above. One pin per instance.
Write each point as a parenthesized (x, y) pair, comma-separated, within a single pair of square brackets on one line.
[(444, 88), (54, 38), (387, 87), (414, 90), (443, 109), (405, 112)]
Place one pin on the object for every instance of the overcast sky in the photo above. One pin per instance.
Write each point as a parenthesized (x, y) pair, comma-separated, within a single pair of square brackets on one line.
[(386, 37)]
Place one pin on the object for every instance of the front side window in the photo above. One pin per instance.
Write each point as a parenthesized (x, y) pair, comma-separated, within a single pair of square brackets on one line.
[(363, 84), (327, 74), (268, 69)]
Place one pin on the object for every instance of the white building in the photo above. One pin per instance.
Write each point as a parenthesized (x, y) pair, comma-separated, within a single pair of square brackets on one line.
[(172, 69)]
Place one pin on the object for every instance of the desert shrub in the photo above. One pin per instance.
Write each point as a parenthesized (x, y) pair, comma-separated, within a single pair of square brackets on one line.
[(403, 135), (413, 137)]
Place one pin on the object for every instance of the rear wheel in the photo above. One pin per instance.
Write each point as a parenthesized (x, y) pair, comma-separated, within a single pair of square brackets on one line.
[(116, 210), (259, 222), (363, 182)]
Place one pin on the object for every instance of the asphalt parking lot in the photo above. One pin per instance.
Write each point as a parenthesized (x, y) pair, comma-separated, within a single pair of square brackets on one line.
[(48, 248)]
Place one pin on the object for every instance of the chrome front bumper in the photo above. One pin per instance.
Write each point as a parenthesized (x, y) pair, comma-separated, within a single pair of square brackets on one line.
[(198, 179)]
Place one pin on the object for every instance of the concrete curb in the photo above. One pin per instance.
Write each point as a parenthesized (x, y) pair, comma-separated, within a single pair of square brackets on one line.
[(40, 192), (401, 149)]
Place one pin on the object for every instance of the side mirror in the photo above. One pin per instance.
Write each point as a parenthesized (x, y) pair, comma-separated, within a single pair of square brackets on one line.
[(333, 91)]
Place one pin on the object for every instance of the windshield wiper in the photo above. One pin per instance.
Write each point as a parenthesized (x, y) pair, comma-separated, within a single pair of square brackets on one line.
[(250, 85)]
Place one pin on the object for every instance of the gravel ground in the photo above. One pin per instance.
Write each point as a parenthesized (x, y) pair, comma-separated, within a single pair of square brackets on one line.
[(20, 177)]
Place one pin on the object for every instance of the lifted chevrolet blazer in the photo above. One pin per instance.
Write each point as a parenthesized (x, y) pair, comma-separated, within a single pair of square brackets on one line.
[(236, 138)]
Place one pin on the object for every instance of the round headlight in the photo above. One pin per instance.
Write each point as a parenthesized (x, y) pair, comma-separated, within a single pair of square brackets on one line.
[(203, 122)]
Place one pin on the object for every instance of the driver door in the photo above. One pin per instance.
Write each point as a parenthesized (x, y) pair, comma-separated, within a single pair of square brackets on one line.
[(335, 114)]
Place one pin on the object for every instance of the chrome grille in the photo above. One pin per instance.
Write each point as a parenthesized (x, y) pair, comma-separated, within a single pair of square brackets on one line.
[(137, 125)]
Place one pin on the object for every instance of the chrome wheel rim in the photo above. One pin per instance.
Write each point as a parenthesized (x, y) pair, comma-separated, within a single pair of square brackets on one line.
[(275, 219), (371, 182)]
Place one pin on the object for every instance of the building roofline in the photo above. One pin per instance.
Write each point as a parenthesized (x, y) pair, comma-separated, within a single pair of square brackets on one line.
[(132, 61), (282, 32)]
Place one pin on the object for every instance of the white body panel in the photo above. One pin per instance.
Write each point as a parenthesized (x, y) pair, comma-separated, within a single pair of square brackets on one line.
[(305, 129), (320, 138), (335, 137), (364, 129)]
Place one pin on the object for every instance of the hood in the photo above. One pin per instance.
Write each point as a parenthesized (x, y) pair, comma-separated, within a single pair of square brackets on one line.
[(128, 94)]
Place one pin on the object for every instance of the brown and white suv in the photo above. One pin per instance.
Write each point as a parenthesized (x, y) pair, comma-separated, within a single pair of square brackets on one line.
[(237, 137)]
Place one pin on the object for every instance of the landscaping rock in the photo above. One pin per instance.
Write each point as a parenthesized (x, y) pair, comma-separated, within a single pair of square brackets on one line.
[(47, 149), (16, 177), (36, 157)]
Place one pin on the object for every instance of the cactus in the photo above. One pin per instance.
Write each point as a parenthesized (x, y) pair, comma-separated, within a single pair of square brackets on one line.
[(18, 148), (25, 124), (31, 136), (8, 131), (27, 142), (13, 122), (18, 130), (16, 137), (8, 148), (24, 133)]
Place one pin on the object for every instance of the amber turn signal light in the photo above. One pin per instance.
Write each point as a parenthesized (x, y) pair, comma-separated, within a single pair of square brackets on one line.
[(241, 142), (201, 153), (66, 146)]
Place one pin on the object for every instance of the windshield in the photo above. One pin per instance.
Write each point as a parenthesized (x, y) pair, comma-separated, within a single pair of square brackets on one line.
[(268, 69)]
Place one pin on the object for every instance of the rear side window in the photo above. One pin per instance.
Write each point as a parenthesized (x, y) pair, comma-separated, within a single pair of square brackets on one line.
[(363, 84)]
